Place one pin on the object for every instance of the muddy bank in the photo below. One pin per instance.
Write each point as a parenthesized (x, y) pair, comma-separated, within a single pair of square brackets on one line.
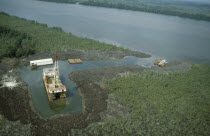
[(95, 94), (15, 105), (84, 55), (97, 74), (86, 81), (11, 128), (15, 102)]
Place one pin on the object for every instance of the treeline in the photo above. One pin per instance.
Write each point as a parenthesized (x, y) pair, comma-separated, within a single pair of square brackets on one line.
[(62, 1), (21, 37), (151, 9), (167, 8), (14, 43)]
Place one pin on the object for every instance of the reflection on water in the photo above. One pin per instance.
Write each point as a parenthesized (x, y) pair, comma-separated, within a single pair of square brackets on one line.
[(73, 102), (57, 105)]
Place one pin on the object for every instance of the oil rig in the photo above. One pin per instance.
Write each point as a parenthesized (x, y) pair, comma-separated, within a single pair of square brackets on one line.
[(54, 88)]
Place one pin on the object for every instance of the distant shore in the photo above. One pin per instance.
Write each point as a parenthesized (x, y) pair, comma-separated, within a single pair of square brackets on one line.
[(172, 9)]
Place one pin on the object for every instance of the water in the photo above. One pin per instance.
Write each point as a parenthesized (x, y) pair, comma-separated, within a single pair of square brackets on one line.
[(169, 37), (73, 102)]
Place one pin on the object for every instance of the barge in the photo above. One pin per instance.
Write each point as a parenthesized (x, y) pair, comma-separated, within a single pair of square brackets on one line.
[(54, 88), (41, 62), (75, 61)]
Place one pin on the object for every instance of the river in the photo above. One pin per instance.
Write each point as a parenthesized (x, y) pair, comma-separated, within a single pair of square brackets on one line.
[(169, 37)]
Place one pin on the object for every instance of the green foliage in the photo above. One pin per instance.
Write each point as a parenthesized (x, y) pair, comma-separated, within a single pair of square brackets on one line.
[(175, 8), (14, 43), (160, 104)]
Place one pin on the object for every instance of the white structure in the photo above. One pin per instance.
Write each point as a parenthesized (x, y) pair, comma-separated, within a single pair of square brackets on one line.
[(41, 62), (163, 62)]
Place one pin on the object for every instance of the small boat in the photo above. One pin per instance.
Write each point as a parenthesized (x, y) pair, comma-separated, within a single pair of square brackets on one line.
[(75, 61), (54, 88), (160, 62)]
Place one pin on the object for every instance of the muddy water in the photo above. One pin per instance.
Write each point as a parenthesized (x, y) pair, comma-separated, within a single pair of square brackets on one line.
[(73, 103)]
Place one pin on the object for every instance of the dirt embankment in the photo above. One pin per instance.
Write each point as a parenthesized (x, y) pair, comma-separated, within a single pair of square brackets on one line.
[(96, 96)]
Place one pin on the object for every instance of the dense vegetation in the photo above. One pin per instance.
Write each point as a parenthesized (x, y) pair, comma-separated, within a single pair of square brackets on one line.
[(160, 104), (21, 37), (175, 8), (14, 43)]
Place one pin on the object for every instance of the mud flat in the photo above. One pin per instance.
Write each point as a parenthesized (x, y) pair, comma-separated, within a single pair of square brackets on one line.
[(85, 55)]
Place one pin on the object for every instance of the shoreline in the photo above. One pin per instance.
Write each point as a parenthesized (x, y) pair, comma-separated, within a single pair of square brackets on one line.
[(141, 7)]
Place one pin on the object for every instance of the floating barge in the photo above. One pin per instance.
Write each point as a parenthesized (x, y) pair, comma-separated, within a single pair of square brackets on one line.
[(54, 88), (75, 61)]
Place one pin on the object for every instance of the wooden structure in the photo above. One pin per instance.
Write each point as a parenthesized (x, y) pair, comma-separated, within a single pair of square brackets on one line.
[(75, 61)]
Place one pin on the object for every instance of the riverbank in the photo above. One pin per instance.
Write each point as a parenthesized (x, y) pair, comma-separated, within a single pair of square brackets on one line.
[(182, 9), (30, 37)]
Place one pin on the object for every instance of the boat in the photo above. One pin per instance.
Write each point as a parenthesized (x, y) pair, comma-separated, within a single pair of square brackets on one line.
[(160, 62), (75, 61), (54, 88)]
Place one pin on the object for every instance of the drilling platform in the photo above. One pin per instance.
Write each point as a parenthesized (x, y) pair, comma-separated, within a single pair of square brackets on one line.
[(54, 88)]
